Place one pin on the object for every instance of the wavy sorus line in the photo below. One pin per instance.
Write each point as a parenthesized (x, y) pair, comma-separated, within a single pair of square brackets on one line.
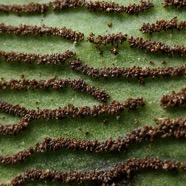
[(124, 169), (110, 39), (42, 8), (169, 121), (55, 59), (98, 6), (163, 25), (171, 128), (58, 5), (176, 3), (112, 7), (54, 83), (139, 73), (29, 30), (174, 99), (26, 8), (115, 108), (11, 129), (155, 46)]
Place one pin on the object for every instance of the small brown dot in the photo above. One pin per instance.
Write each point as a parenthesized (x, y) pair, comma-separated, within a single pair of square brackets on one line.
[(106, 120), (109, 24), (136, 121), (87, 133), (163, 62), (22, 76), (114, 51)]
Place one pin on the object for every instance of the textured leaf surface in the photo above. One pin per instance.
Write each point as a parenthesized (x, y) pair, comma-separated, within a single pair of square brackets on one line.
[(86, 22)]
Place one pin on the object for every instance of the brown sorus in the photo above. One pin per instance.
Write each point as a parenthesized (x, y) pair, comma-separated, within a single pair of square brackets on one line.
[(110, 39), (155, 46), (167, 128), (29, 30), (174, 99), (176, 3), (25, 8), (54, 59), (40, 8), (54, 83), (163, 24), (70, 111), (57, 5), (125, 169), (139, 73), (111, 7)]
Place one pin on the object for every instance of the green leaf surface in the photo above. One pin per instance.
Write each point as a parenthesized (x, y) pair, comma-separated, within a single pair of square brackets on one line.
[(85, 21)]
